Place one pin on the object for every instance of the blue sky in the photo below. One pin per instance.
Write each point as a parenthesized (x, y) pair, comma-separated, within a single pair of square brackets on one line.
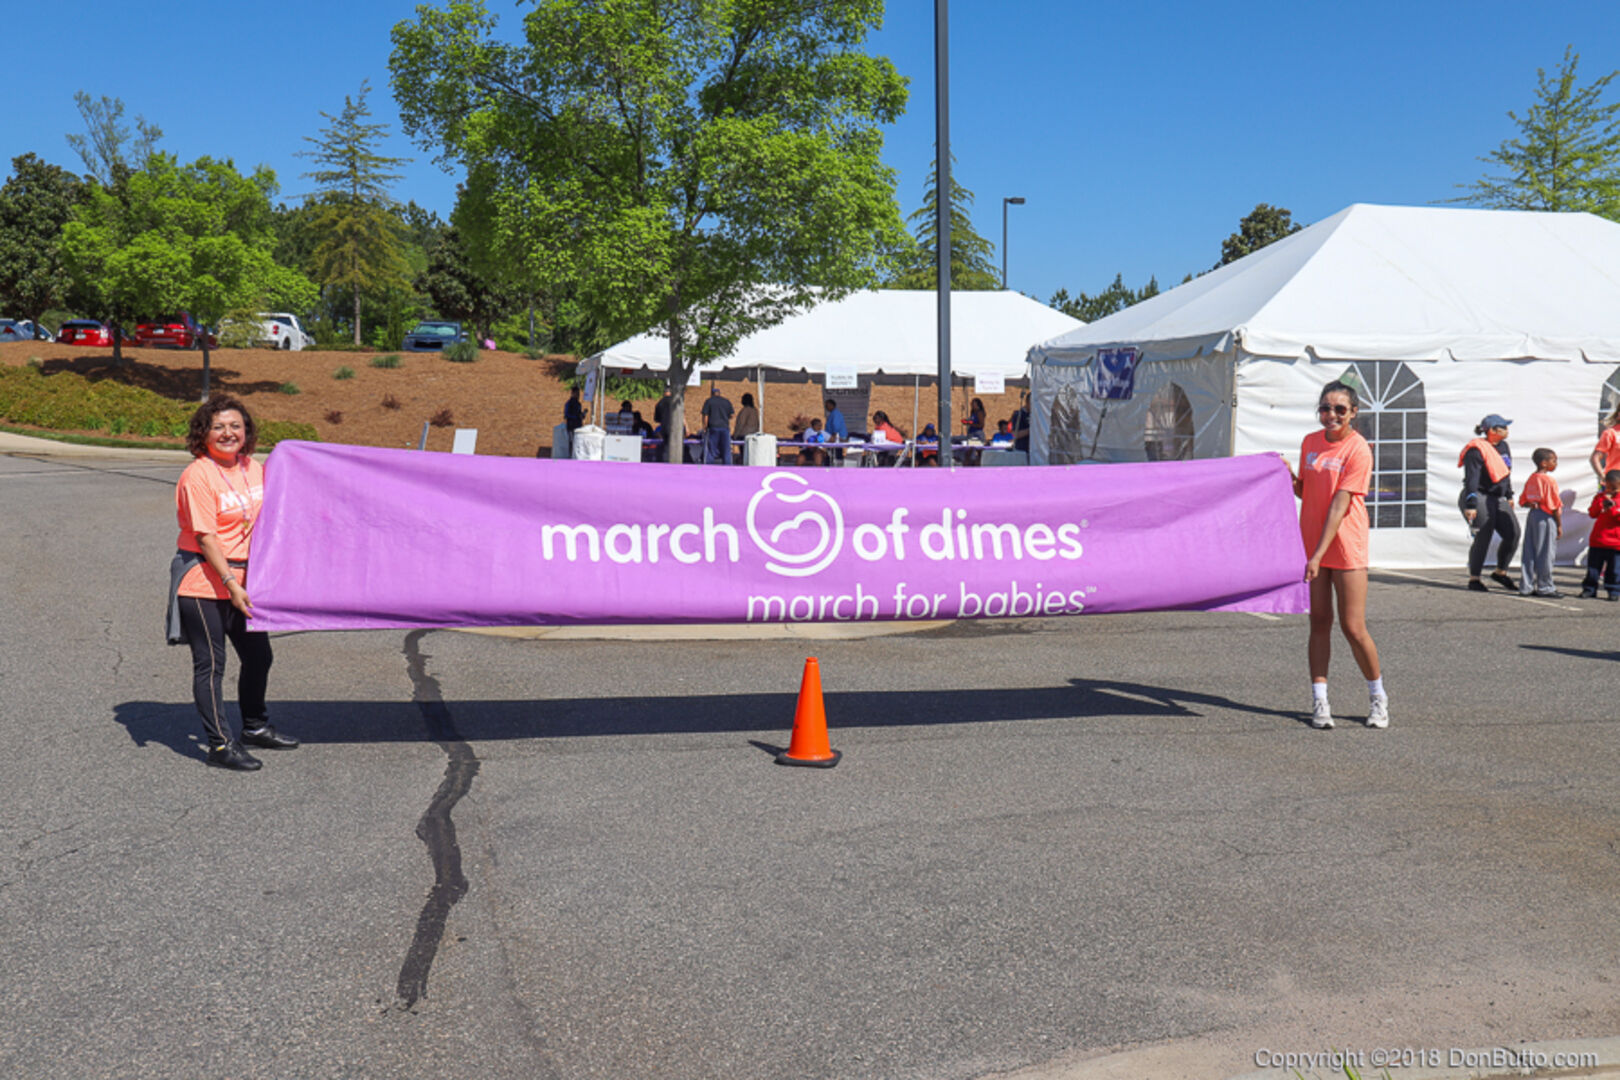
[(1138, 133)]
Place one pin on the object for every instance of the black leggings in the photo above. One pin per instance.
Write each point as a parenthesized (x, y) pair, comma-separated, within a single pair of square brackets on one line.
[(1495, 516), (208, 624)]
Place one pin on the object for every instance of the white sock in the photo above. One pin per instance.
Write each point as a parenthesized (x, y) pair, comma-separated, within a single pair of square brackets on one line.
[(1318, 691), (1375, 687)]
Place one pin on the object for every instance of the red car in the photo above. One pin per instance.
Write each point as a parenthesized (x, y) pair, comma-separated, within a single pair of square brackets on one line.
[(84, 332), (177, 331)]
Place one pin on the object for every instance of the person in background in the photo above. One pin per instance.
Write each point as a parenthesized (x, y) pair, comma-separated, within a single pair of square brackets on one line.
[(976, 420), (928, 446), (747, 419), (1606, 454), (716, 428), (1335, 468), (1603, 547), (218, 501), (1487, 500), (882, 434), (837, 429), (627, 409), (573, 411), (1543, 529), (1020, 424), (661, 410), (814, 434), (1003, 435)]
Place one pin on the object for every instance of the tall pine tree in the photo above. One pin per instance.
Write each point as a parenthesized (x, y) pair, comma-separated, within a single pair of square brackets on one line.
[(1567, 155), (973, 263), (358, 244)]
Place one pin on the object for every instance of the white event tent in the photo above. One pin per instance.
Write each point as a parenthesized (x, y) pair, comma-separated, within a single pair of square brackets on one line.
[(878, 332), (1438, 315)]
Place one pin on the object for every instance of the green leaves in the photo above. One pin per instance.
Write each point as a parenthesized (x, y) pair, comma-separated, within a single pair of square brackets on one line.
[(170, 237), (1567, 156), (36, 201)]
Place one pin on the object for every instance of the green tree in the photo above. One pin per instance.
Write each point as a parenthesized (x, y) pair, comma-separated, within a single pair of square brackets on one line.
[(1117, 297), (702, 168), (36, 201), (1567, 155), (106, 147), (357, 245), (197, 238), (1263, 225), (457, 291), (973, 264)]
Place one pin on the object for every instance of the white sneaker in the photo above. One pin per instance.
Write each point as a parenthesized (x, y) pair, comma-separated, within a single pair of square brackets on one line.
[(1378, 712), (1321, 715)]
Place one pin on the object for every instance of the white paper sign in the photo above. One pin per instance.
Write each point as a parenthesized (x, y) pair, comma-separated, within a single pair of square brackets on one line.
[(696, 379), (588, 394), (842, 378), (466, 441), (989, 382)]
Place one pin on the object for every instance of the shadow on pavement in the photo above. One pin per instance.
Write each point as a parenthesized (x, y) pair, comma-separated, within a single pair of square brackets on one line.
[(176, 725), (1579, 654)]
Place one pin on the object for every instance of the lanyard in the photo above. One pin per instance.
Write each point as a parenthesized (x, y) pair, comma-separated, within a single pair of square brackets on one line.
[(246, 494)]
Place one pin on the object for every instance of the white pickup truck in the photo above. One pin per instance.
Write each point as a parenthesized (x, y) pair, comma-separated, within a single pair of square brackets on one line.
[(284, 331)]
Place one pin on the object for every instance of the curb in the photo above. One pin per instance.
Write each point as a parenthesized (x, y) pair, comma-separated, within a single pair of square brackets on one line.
[(36, 447), (709, 631)]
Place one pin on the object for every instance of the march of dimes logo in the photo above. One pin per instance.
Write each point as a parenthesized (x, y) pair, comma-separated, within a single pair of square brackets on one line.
[(814, 533), (802, 530)]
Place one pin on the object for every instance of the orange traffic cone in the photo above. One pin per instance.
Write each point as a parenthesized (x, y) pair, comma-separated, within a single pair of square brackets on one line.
[(809, 745)]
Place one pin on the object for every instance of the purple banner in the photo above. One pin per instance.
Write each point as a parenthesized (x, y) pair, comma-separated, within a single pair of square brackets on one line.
[(360, 538)]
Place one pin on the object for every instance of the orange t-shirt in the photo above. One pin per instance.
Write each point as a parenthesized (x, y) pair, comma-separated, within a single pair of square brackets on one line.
[(1541, 492), (224, 502), (1325, 469), (1608, 445)]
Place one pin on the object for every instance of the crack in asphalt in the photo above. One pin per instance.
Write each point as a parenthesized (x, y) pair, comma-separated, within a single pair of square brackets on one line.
[(436, 829)]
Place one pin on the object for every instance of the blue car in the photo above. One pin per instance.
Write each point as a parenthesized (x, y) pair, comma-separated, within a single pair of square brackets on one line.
[(433, 337)]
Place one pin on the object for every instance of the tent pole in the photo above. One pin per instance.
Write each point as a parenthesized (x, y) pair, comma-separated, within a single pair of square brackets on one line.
[(759, 382), (942, 212), (916, 405)]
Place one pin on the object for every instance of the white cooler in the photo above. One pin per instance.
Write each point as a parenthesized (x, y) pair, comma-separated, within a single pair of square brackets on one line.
[(759, 449), (561, 445), (588, 443)]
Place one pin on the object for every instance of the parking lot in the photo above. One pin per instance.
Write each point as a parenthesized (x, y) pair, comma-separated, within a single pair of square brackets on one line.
[(498, 857)]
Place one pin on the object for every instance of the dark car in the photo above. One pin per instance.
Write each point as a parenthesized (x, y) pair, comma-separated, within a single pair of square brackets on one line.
[(177, 331), (433, 337), (84, 332)]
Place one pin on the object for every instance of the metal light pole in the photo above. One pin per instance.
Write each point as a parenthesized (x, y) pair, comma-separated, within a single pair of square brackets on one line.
[(942, 217), (1015, 200)]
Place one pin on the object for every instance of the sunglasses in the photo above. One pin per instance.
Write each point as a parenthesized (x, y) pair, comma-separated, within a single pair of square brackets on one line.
[(1336, 410)]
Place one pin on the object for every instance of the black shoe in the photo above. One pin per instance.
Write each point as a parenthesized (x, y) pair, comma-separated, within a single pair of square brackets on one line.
[(231, 756), (1477, 586), (1588, 594), (1554, 595), (1502, 579), (268, 738), (1612, 597)]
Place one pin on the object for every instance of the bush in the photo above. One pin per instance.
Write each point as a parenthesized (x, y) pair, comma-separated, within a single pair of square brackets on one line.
[(390, 402), (334, 416), (442, 418), (462, 352), (343, 373), (387, 360), (289, 388), (69, 402)]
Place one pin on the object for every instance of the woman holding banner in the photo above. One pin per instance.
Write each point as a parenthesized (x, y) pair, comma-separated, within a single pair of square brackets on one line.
[(1335, 466), (218, 501)]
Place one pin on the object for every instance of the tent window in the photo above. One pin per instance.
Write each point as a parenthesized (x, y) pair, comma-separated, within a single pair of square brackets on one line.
[(1169, 434), (1609, 399), (1394, 418)]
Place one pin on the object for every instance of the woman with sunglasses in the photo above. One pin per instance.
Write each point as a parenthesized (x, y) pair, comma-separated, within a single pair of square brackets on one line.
[(1487, 501), (1335, 466)]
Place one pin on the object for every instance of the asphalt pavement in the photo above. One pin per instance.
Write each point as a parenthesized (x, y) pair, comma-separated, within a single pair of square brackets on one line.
[(1102, 846)]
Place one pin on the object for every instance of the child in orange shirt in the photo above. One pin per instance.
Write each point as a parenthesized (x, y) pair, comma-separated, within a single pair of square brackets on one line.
[(1543, 529)]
